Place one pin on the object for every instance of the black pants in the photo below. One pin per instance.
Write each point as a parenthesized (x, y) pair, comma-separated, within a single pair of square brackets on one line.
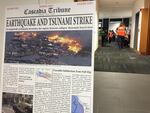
[(103, 40)]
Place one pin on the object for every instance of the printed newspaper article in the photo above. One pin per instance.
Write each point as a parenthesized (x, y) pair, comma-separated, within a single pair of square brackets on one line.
[(48, 59)]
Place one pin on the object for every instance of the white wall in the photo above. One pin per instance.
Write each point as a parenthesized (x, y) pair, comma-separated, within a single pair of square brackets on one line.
[(139, 33), (114, 25), (137, 6)]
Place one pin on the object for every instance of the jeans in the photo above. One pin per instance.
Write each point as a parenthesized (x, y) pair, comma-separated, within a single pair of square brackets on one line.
[(121, 40)]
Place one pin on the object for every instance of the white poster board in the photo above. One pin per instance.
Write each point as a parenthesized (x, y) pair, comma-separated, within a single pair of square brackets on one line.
[(48, 58)]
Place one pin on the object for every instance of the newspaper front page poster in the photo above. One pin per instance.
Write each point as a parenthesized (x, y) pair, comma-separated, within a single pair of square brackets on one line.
[(48, 58)]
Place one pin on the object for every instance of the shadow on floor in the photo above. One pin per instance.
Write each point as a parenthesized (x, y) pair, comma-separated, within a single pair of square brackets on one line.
[(113, 59)]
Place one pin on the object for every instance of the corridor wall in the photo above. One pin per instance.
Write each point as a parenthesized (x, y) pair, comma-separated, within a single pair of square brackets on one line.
[(139, 4), (143, 39), (144, 32)]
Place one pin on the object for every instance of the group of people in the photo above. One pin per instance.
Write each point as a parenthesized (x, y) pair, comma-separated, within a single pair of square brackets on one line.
[(120, 36)]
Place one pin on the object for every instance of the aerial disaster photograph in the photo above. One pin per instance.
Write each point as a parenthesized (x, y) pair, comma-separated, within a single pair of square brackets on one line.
[(49, 47)]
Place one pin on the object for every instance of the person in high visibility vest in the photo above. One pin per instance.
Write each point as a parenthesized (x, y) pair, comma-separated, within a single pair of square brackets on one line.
[(121, 33)]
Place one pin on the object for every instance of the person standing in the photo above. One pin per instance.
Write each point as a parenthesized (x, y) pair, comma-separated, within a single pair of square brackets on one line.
[(102, 34), (121, 33), (110, 36)]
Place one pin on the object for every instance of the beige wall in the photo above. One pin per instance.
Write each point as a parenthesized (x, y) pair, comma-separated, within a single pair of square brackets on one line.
[(147, 2)]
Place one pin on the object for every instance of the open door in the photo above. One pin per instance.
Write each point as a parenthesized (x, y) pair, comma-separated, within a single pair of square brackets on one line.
[(144, 32)]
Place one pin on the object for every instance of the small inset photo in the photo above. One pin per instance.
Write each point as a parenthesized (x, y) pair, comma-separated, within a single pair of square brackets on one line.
[(17, 103)]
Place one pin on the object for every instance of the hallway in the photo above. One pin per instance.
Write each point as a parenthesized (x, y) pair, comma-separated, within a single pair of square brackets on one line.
[(134, 14), (112, 59), (121, 93)]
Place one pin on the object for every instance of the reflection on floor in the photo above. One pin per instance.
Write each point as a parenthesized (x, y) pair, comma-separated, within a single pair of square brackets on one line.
[(121, 93), (112, 59)]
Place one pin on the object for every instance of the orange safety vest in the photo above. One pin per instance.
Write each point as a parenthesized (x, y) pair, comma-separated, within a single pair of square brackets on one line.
[(121, 31)]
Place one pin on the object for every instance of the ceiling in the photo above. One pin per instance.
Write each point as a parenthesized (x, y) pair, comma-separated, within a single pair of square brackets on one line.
[(115, 8), (116, 3)]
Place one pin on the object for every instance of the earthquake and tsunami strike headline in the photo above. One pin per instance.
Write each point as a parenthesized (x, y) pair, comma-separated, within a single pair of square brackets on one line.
[(49, 21)]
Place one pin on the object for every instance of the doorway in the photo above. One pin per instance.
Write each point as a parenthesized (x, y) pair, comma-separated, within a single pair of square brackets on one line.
[(136, 30), (114, 24)]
